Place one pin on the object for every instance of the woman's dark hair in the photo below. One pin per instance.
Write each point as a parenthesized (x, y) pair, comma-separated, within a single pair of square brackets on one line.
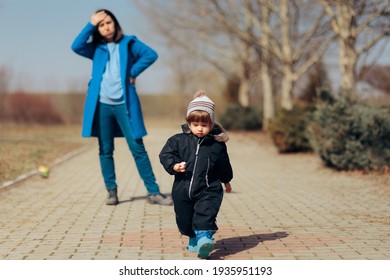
[(98, 39)]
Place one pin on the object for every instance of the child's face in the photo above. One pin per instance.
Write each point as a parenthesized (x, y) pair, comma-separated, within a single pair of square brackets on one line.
[(107, 28), (200, 129)]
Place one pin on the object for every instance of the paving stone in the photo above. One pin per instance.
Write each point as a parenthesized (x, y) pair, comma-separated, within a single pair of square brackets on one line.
[(283, 207)]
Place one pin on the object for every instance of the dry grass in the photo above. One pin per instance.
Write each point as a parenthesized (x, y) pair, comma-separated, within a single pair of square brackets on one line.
[(23, 147)]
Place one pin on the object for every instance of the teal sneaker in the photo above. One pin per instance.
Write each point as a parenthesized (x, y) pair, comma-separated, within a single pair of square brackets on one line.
[(205, 246), (205, 243), (192, 245)]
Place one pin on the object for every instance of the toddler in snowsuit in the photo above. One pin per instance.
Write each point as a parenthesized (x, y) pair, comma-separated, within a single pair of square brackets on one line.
[(198, 159)]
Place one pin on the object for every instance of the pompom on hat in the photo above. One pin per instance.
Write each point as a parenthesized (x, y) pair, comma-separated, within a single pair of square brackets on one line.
[(202, 102)]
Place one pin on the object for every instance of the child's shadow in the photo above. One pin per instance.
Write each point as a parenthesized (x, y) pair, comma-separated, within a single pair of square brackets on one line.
[(234, 245)]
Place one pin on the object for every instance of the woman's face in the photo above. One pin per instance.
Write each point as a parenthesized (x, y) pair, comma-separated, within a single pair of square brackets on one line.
[(107, 28)]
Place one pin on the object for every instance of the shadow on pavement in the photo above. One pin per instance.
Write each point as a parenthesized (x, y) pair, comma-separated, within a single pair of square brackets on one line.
[(144, 197), (132, 199), (234, 245)]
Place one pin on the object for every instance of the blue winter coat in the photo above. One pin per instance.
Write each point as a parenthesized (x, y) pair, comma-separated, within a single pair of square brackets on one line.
[(135, 57)]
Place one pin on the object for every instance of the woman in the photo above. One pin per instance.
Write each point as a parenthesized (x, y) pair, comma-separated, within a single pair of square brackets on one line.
[(112, 107)]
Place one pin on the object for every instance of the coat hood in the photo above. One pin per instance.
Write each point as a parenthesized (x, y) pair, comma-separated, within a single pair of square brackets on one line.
[(217, 132)]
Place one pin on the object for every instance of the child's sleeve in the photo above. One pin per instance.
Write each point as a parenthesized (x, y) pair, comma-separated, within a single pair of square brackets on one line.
[(224, 167), (169, 156)]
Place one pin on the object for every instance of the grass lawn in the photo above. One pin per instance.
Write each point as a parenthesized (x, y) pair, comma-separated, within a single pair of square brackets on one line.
[(23, 147)]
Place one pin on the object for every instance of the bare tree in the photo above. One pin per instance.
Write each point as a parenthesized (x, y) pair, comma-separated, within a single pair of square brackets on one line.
[(358, 25), (275, 42), (290, 32), (288, 56), (268, 97), (204, 40), (299, 41), (4, 87)]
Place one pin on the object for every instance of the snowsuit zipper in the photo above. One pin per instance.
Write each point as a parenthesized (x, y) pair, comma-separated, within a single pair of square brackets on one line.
[(196, 162), (207, 172)]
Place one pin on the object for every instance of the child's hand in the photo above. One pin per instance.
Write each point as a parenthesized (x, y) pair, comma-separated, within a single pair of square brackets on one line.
[(96, 18), (228, 187), (180, 167)]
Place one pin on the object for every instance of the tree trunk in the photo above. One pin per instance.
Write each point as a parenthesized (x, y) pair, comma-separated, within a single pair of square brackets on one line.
[(264, 56), (287, 80), (287, 86), (243, 92), (347, 65), (268, 98), (244, 86), (347, 52)]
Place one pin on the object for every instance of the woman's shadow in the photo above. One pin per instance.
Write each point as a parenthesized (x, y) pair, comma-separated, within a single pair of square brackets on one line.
[(234, 245)]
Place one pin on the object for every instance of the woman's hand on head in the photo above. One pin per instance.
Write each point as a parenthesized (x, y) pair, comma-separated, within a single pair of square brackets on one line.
[(96, 18)]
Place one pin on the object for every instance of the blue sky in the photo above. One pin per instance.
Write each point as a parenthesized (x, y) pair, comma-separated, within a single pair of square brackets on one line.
[(37, 34)]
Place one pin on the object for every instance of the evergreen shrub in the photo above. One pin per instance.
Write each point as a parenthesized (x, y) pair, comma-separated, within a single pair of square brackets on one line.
[(288, 130), (237, 117), (349, 135)]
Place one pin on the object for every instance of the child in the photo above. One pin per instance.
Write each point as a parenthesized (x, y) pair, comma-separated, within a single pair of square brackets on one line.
[(112, 106), (199, 160)]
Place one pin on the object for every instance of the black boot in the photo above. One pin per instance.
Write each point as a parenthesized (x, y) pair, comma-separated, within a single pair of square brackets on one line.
[(112, 198)]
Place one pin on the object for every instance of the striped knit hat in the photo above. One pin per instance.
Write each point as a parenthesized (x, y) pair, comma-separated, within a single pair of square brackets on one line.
[(201, 102)]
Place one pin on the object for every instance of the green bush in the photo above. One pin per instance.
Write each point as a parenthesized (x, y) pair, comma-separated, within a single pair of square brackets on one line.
[(288, 130), (351, 136), (237, 117)]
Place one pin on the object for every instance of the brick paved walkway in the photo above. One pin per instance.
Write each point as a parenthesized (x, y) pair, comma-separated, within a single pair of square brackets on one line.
[(282, 207)]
